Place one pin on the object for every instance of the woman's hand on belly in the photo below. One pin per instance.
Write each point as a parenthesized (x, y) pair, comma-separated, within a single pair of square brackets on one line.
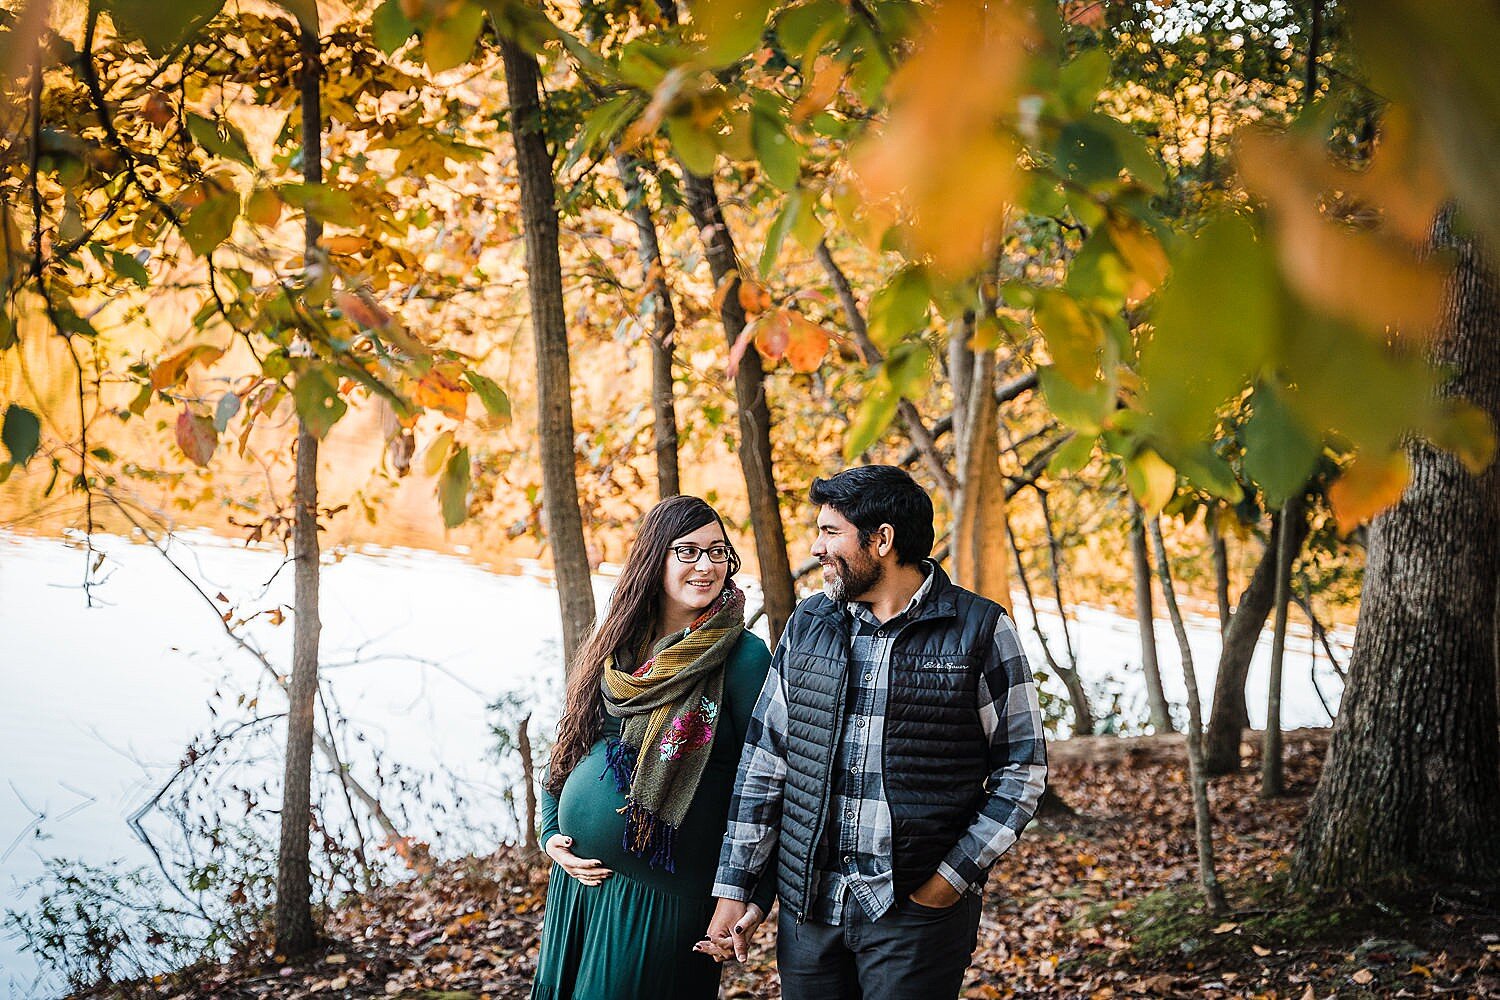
[(589, 871)]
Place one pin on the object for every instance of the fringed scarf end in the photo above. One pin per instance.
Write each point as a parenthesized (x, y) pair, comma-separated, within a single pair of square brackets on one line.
[(619, 760), (651, 837)]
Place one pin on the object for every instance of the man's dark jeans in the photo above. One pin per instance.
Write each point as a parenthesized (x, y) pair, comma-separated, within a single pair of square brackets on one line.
[(913, 952)]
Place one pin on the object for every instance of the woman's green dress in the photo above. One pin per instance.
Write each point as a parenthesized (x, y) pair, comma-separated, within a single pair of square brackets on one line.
[(631, 938)]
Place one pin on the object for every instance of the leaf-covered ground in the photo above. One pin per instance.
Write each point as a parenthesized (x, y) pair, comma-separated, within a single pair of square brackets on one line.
[(1097, 904)]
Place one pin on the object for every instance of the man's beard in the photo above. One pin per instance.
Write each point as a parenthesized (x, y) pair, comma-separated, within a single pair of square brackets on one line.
[(845, 581)]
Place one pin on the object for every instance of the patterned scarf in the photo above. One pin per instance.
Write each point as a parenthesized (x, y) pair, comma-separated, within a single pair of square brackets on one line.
[(670, 704)]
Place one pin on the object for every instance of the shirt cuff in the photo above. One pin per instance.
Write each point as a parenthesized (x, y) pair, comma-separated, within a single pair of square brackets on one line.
[(723, 890), (953, 878)]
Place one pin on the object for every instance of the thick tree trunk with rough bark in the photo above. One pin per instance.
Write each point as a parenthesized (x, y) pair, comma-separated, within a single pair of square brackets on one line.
[(294, 928), (1227, 718), (1145, 617), (549, 328), (663, 328), (754, 413), (1411, 789)]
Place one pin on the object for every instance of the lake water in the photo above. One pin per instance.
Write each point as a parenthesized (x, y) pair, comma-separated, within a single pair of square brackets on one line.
[(98, 700)]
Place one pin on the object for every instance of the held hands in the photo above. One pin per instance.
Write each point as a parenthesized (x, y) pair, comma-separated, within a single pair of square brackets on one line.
[(586, 870), (730, 930), (937, 893)]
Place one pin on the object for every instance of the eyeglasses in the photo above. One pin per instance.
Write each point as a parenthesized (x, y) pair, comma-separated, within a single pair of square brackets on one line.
[(692, 553)]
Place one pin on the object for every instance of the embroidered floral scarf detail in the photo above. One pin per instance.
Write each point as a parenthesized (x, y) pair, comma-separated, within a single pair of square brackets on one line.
[(670, 704)]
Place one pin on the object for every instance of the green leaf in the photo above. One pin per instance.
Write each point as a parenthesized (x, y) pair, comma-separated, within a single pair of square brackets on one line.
[(600, 126), (8, 337), (161, 24), (1151, 479), (210, 223), (1072, 456), (495, 401), (1083, 410), (1094, 150), (222, 138), (776, 235), (908, 369), (453, 488), (731, 28), (390, 27), (1216, 326), (318, 402), (873, 417), (129, 267), (900, 307), (779, 154), (1279, 453), (1074, 336), (1080, 80), (1205, 469), (305, 11), (694, 148), (224, 411), (331, 205), (21, 433), (798, 27), (449, 41)]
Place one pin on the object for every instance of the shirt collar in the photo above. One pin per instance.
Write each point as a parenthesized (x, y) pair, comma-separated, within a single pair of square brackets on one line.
[(861, 609)]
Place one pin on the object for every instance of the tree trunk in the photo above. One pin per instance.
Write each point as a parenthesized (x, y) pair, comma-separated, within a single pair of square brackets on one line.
[(1078, 697), (528, 775), (663, 328), (1272, 777), (1208, 878), (1227, 717), (550, 331), (1156, 698), (754, 413), (294, 929), (978, 543), (1412, 784), (1221, 566)]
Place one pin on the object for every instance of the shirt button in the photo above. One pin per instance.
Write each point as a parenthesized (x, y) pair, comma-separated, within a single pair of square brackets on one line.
[(848, 859), (848, 813), (869, 677), (853, 768), (860, 724)]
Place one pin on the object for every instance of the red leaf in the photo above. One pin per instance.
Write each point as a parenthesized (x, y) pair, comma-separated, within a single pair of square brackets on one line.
[(196, 436)]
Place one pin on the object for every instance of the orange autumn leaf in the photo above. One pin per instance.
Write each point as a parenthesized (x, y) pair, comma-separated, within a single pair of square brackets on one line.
[(772, 334), (440, 389), (172, 371), (362, 310), (807, 344), (753, 298), (1367, 487)]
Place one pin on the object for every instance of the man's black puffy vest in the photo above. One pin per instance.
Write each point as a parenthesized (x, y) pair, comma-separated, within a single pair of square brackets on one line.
[(935, 758)]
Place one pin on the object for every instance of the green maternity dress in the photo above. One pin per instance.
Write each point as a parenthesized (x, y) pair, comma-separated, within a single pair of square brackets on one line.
[(631, 938)]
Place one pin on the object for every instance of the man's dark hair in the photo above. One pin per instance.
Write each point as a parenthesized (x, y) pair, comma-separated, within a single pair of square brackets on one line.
[(871, 495)]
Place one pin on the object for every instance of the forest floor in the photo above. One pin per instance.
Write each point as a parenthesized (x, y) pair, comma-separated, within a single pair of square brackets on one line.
[(1101, 903)]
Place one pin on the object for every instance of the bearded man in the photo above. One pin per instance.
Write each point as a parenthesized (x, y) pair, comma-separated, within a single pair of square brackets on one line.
[(896, 752)]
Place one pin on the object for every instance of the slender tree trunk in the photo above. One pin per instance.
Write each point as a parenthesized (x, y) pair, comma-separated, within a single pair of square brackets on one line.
[(550, 330), (663, 328), (922, 439), (1208, 879), (1411, 788), (294, 928), (978, 545), (1156, 697), (754, 412), (1272, 777), (1221, 566), (1078, 697), (528, 775), (1228, 717)]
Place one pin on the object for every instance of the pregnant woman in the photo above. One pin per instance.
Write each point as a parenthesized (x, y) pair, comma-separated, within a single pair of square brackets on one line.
[(638, 786)]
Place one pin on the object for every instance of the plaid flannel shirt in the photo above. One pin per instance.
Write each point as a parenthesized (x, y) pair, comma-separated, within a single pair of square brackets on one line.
[(859, 825)]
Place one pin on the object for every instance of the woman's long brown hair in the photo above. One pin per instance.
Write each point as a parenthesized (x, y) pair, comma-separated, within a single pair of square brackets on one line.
[(632, 610)]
